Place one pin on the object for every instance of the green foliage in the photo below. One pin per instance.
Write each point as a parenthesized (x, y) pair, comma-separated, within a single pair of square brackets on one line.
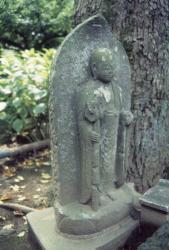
[(24, 92), (38, 24)]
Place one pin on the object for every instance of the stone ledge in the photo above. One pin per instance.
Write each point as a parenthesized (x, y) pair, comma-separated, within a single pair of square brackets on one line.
[(42, 227), (157, 197)]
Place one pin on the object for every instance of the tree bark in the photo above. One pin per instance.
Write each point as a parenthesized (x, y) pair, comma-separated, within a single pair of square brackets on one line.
[(143, 28)]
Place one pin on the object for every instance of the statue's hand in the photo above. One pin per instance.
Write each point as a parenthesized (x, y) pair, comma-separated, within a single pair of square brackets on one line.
[(120, 181), (94, 137), (127, 117)]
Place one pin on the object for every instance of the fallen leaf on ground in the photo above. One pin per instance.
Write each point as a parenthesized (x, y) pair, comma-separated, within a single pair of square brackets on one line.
[(47, 163), (9, 226), (20, 178), (21, 234), (46, 176), (2, 218), (36, 196), (7, 196), (21, 198), (38, 164), (9, 172), (44, 181), (16, 180), (15, 188)]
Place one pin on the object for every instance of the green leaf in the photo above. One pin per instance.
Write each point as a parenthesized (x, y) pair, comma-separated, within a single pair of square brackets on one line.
[(41, 94), (16, 102), (5, 91), (3, 116), (39, 109), (23, 112), (28, 123), (2, 106), (17, 125)]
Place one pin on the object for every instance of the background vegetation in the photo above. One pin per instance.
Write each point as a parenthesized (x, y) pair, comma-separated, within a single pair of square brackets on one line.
[(24, 93), (29, 29), (38, 24)]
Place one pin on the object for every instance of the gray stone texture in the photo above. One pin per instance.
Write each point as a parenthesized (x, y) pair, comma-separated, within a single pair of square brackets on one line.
[(155, 204), (71, 69), (153, 216), (158, 241), (43, 233), (157, 197), (86, 202), (89, 124)]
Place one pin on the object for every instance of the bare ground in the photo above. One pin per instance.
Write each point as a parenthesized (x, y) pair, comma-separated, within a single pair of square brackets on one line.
[(25, 181)]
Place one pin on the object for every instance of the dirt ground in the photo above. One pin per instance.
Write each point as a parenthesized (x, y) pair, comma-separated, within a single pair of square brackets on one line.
[(26, 181)]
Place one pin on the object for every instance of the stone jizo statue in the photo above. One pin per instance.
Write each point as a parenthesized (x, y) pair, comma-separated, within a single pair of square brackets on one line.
[(99, 106), (89, 124)]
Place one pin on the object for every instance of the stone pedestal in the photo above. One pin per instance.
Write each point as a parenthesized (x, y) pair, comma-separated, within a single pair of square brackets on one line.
[(155, 204), (79, 219), (42, 229)]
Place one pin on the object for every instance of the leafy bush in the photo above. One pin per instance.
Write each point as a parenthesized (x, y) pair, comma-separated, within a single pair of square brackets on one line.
[(38, 24), (24, 92)]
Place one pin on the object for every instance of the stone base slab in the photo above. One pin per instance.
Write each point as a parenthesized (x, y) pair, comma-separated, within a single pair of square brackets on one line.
[(153, 217), (155, 204), (80, 219), (42, 229)]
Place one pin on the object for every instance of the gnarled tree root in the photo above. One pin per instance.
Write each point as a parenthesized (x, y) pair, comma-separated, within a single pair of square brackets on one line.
[(17, 207), (24, 149)]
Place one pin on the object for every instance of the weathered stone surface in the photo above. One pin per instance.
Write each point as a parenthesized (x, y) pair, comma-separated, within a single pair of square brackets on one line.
[(157, 197), (153, 216), (155, 204), (43, 230), (71, 69), (74, 218), (91, 65), (89, 121), (159, 240), (98, 114)]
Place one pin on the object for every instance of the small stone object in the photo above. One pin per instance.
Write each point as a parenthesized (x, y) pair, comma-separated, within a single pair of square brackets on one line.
[(7, 230), (155, 204)]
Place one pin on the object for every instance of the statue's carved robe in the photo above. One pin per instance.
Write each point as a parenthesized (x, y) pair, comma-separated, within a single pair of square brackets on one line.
[(98, 107)]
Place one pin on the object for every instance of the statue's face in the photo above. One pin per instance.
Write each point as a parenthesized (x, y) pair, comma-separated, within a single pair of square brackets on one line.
[(102, 65)]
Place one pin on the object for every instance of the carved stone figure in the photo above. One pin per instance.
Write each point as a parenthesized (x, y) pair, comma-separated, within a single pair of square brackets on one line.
[(98, 112), (89, 123), (99, 107)]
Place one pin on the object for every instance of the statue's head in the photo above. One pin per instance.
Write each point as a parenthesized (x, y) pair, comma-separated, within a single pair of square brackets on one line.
[(101, 63)]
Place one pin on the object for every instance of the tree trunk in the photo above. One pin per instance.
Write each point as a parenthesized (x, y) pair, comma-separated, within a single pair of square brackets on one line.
[(143, 28)]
